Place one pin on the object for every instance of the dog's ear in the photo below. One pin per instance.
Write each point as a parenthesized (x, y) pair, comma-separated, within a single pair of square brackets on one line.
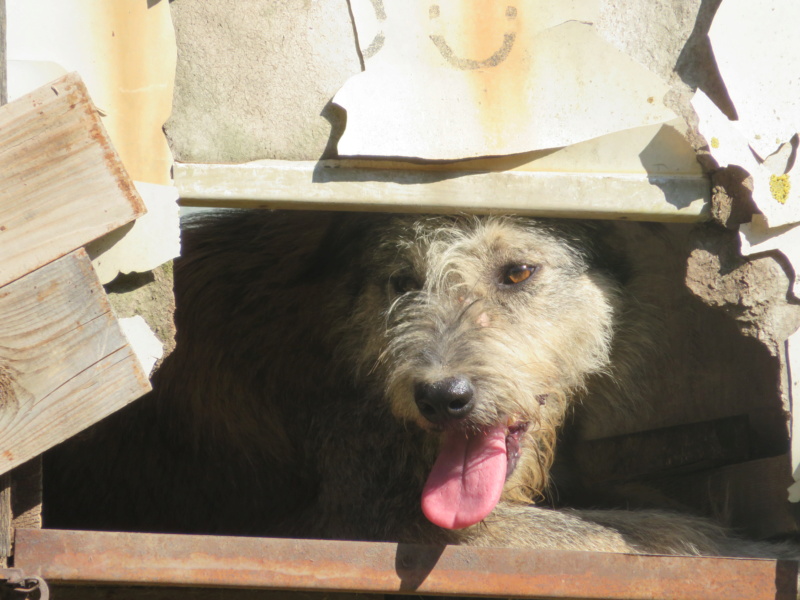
[(343, 243), (603, 248)]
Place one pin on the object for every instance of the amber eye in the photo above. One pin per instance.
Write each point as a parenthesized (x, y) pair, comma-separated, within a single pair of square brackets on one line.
[(514, 274)]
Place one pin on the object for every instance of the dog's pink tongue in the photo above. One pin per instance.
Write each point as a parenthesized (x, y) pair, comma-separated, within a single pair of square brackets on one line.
[(467, 479)]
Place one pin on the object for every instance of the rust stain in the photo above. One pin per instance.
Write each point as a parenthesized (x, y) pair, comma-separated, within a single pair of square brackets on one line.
[(475, 34), (489, 38), (97, 132), (142, 379), (478, 43), (123, 558), (135, 125), (49, 290)]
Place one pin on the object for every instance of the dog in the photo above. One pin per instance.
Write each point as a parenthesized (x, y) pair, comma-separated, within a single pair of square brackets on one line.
[(379, 377)]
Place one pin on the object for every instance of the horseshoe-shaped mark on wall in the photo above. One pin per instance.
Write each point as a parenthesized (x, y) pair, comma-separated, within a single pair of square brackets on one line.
[(467, 64), (377, 42)]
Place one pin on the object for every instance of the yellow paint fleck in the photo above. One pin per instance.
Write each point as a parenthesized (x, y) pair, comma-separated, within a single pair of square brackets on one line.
[(779, 186), (714, 142)]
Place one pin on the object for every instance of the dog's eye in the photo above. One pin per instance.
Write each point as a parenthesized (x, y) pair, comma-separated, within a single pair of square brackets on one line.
[(402, 284), (514, 274)]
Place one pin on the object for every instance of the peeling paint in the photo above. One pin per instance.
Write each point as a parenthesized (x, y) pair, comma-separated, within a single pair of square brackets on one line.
[(148, 243), (125, 52), (457, 80), (146, 346), (772, 192), (754, 47)]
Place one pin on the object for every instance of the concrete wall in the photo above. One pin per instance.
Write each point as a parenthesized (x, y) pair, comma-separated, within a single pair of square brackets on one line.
[(255, 79)]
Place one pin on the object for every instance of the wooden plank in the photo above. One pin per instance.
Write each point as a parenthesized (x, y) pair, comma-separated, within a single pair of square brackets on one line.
[(84, 557), (5, 481), (751, 497), (340, 185), (26, 495), (669, 450), (61, 184), (704, 466), (20, 504), (6, 531), (64, 363)]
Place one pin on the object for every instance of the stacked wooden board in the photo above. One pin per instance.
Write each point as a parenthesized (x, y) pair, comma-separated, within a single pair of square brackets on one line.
[(64, 361)]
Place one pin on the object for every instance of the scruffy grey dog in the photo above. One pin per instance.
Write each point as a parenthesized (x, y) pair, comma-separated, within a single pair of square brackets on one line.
[(375, 377)]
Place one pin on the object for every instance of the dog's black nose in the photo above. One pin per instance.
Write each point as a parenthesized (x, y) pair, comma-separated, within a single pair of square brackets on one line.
[(445, 400)]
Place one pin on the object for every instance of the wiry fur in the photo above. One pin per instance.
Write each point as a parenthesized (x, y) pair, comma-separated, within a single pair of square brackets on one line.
[(288, 407)]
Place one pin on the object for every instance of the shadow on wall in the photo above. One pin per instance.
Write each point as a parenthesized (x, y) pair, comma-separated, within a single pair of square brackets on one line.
[(696, 65)]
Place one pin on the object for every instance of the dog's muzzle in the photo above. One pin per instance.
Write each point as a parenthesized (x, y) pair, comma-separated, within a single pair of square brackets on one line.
[(446, 400)]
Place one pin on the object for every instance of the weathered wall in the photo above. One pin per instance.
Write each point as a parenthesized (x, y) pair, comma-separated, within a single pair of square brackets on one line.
[(255, 80)]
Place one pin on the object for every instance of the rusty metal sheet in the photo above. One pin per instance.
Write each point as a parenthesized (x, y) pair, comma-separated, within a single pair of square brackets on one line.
[(77, 557)]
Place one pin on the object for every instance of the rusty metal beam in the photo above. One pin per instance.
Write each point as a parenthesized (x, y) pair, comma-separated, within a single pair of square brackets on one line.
[(78, 557)]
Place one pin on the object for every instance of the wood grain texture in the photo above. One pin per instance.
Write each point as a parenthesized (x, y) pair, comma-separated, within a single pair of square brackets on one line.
[(666, 451), (64, 363), (26, 496), (750, 496), (6, 531), (61, 181), (20, 504), (5, 481)]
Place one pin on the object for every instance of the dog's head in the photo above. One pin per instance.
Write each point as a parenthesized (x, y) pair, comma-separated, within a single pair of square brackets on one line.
[(480, 330)]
